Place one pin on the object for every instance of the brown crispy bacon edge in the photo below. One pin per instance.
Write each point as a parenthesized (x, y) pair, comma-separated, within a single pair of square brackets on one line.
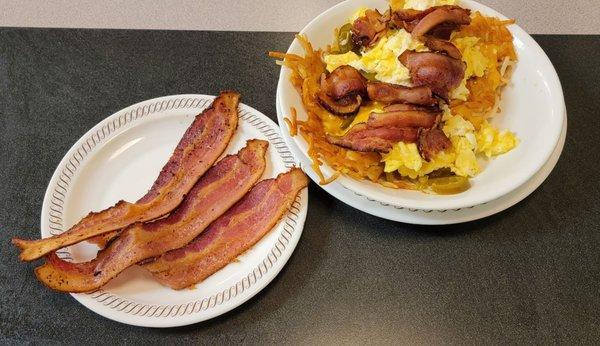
[(236, 231), (432, 141), (368, 29), (438, 21), (440, 72), (393, 93), (412, 118), (361, 137), (221, 187), (202, 144), (455, 16)]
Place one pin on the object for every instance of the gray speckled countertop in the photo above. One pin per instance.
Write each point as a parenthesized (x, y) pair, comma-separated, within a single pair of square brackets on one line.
[(529, 274)]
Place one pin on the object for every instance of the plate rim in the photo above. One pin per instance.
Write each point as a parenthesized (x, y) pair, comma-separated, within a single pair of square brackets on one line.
[(445, 205), (205, 307)]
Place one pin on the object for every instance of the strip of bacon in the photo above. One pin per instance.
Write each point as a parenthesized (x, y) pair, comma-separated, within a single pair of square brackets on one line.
[(236, 231), (344, 81), (432, 141), (345, 106), (443, 46), (367, 30), (381, 139), (447, 18), (409, 18), (221, 187), (342, 90), (408, 118), (201, 145), (441, 73), (393, 93), (456, 16)]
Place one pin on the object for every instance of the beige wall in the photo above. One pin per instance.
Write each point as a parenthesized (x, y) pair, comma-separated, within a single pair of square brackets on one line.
[(541, 16)]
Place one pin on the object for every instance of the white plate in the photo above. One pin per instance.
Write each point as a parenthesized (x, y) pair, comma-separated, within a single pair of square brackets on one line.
[(532, 107), (119, 159), (431, 217)]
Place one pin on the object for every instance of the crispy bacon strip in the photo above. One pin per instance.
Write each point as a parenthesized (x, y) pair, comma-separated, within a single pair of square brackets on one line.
[(439, 72), (406, 118), (217, 190), (234, 232), (443, 46), (346, 106), (451, 15), (368, 29), (343, 81), (431, 142), (409, 18), (342, 90), (447, 17), (392, 93), (381, 139), (201, 145)]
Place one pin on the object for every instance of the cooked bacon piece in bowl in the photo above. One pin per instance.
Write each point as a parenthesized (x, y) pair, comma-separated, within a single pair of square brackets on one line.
[(438, 21), (392, 93), (439, 72), (443, 15), (381, 139), (432, 141), (443, 46), (342, 82), (345, 106), (366, 30), (342, 90), (404, 118)]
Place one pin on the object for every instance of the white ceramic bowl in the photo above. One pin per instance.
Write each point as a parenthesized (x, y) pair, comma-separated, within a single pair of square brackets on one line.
[(532, 106)]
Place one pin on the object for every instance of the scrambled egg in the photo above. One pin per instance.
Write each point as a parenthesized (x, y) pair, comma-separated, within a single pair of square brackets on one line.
[(405, 158), (334, 61), (382, 59), (492, 142), (476, 62), (461, 158)]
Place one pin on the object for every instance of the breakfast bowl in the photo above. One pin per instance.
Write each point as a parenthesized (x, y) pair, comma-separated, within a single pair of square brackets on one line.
[(532, 107)]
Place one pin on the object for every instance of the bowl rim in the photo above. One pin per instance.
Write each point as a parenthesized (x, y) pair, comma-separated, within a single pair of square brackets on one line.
[(557, 104)]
